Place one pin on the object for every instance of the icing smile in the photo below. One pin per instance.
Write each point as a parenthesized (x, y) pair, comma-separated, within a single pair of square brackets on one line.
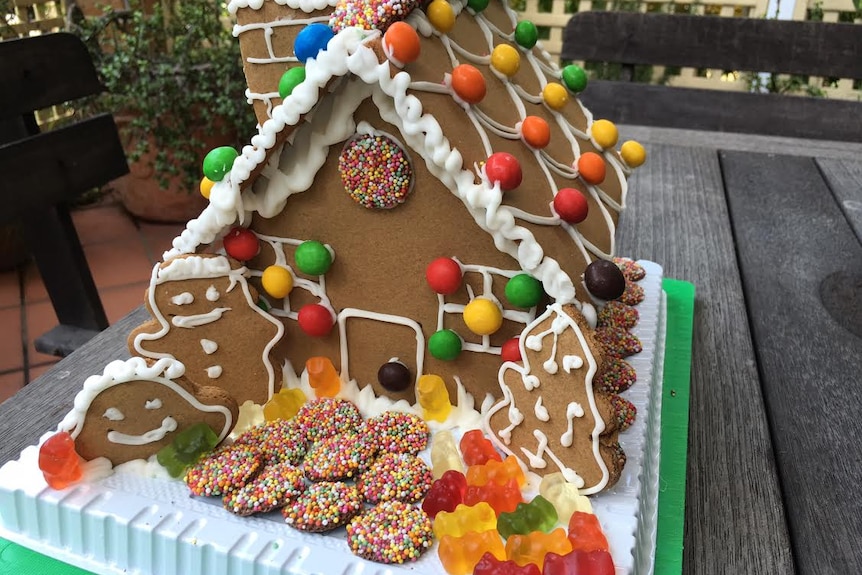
[(169, 424), (199, 319)]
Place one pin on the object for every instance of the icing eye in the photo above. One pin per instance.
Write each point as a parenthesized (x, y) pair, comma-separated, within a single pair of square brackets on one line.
[(153, 404), (113, 414), (212, 294), (376, 171), (184, 298)]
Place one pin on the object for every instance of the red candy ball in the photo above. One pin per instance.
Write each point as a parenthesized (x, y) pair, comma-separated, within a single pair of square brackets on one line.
[(241, 244), (444, 276), (504, 168), (315, 320), (511, 350), (571, 205)]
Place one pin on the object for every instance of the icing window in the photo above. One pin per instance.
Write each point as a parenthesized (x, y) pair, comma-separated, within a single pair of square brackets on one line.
[(375, 170)]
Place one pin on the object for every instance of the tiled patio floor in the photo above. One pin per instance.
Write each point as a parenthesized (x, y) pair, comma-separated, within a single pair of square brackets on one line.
[(120, 251)]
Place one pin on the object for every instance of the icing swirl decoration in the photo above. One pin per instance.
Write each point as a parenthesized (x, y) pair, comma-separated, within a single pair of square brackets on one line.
[(376, 171)]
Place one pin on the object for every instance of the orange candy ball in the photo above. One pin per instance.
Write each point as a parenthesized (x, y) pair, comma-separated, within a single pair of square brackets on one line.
[(468, 83), (402, 43), (535, 131), (591, 167)]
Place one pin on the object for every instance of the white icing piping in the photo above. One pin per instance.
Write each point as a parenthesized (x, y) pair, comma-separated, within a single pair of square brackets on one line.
[(168, 425)]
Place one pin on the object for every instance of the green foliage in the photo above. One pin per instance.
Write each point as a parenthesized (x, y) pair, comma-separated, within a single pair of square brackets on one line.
[(176, 71)]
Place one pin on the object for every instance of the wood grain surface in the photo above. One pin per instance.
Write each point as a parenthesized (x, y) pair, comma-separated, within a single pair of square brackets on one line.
[(844, 178)]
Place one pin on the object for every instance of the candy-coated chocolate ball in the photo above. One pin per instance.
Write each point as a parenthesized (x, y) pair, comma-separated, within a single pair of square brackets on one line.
[(312, 258), (536, 132), (402, 43), (277, 281), (633, 153), (441, 15), (445, 344), (555, 96), (290, 80), (524, 290), (574, 78), (604, 280), (311, 40), (526, 34), (468, 82), (394, 376), (511, 350), (506, 60), (444, 275), (315, 320), (504, 168), (206, 187), (591, 168), (604, 133), (218, 162), (477, 5), (571, 205), (241, 244), (482, 316)]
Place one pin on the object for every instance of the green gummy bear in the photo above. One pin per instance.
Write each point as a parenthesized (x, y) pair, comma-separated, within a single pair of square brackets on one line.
[(537, 515), (187, 448)]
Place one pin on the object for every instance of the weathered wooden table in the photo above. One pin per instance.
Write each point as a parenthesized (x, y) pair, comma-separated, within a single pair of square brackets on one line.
[(768, 229)]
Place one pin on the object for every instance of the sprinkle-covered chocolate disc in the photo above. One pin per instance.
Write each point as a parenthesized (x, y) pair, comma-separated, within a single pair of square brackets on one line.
[(370, 14), (224, 470), (320, 418), (391, 532), (624, 410), (616, 313), (632, 270), (323, 507), (633, 294), (341, 456), (274, 487), (375, 171), (615, 376), (397, 432), (399, 476), (618, 342), (280, 441)]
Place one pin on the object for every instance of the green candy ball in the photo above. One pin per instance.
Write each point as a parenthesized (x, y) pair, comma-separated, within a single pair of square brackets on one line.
[(526, 34), (218, 162), (574, 78), (444, 344), (524, 290), (290, 80), (477, 5), (312, 258)]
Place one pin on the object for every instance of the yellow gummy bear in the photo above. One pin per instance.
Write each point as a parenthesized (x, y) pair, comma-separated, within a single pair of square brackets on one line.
[(284, 404), (563, 496), (434, 398), (322, 377), (480, 517), (444, 454)]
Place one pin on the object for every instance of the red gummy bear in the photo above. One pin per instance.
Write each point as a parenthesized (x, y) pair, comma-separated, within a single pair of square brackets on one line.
[(579, 563), (445, 493), (476, 449), (490, 565), (585, 532), (503, 498), (59, 462)]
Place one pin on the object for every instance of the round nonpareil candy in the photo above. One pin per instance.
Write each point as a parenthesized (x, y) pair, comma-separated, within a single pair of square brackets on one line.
[(536, 132), (506, 60), (206, 187), (290, 80), (571, 205), (401, 43), (604, 133), (315, 320), (468, 83), (218, 162), (394, 376), (555, 96), (277, 281), (477, 5), (441, 15), (241, 243), (312, 258), (633, 153), (504, 168), (483, 316), (311, 40), (511, 350), (524, 290), (591, 168), (604, 280), (444, 275), (574, 78), (445, 344), (375, 171), (526, 34)]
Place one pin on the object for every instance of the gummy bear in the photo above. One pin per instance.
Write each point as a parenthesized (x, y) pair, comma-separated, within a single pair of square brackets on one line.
[(503, 498), (445, 494), (459, 555), (322, 377), (59, 462), (564, 496), (532, 547), (496, 471), (187, 448), (490, 565), (284, 404), (579, 563), (537, 515), (434, 398), (444, 454), (477, 449), (465, 518), (585, 533)]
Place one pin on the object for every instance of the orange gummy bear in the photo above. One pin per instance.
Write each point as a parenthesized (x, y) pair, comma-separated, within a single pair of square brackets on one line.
[(585, 533), (322, 377), (533, 547), (459, 555), (500, 472), (59, 462)]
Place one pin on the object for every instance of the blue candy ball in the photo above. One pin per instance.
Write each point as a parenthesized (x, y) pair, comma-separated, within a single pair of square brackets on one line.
[(311, 40)]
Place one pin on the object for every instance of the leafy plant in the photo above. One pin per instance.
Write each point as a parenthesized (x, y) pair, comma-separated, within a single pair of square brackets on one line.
[(175, 70)]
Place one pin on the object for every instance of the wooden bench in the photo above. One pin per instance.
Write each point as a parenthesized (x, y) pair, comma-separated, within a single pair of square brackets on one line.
[(42, 172), (732, 44)]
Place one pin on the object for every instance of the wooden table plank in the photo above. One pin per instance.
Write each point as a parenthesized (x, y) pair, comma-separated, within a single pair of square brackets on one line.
[(734, 516), (845, 180), (791, 236)]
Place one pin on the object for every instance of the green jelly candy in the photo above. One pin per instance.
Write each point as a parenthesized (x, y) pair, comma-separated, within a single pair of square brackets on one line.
[(445, 344), (290, 80), (477, 5), (187, 448), (312, 258), (537, 515), (526, 34), (574, 78), (218, 162), (524, 290)]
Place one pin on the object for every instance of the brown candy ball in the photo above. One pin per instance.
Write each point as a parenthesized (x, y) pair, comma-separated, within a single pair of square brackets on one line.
[(604, 280), (394, 376)]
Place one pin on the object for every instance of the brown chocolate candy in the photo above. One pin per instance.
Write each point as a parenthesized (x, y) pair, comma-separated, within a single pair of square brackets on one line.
[(604, 280)]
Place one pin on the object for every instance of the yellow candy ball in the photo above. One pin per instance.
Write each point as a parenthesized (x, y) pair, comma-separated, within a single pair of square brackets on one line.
[(604, 133), (206, 187), (506, 60), (277, 281), (633, 153), (441, 15), (555, 95), (483, 316)]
